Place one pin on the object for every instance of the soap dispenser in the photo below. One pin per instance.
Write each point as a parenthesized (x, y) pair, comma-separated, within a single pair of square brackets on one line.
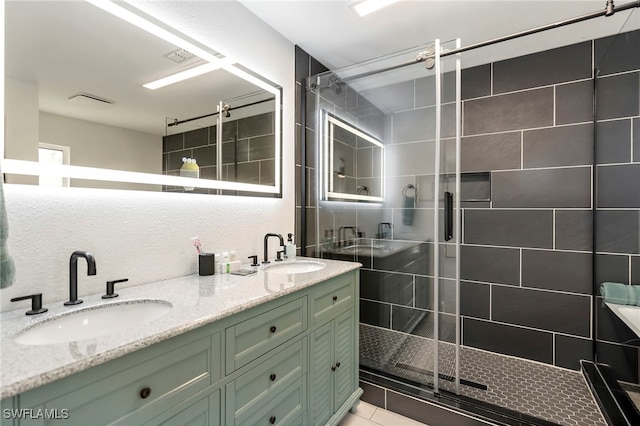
[(290, 248)]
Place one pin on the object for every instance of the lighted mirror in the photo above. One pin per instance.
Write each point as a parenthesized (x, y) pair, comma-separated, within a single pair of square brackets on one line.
[(97, 94), (354, 163)]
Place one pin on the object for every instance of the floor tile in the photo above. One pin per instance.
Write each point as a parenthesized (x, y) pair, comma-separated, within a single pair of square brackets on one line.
[(365, 410), (353, 420), (387, 418)]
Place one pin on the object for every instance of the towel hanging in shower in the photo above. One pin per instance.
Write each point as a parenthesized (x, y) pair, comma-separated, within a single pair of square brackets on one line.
[(408, 204)]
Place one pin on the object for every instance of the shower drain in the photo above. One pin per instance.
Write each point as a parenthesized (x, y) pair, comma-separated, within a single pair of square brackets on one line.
[(428, 373)]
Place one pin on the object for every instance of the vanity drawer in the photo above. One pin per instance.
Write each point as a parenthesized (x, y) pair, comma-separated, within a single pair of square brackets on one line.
[(256, 336), (283, 409), (332, 298), (120, 395), (272, 376)]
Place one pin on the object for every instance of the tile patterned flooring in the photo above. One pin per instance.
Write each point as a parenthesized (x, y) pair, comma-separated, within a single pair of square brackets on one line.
[(370, 415), (539, 390)]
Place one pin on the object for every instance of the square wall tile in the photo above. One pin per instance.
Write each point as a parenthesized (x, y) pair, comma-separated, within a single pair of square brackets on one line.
[(476, 81), (514, 111), (618, 231), (509, 340), (515, 228), (619, 186), (570, 350), (574, 102), (490, 152), (558, 146), (557, 270), (544, 68), (574, 230), (550, 188), (614, 141), (490, 264), (618, 53), (617, 96), (564, 313)]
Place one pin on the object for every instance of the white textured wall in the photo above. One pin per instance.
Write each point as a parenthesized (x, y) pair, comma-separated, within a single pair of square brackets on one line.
[(145, 236)]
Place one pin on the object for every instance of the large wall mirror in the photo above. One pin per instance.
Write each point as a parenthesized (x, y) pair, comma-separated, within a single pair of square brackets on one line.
[(97, 94), (354, 163)]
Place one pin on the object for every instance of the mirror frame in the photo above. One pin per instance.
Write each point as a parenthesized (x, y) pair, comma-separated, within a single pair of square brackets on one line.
[(329, 195), (164, 31)]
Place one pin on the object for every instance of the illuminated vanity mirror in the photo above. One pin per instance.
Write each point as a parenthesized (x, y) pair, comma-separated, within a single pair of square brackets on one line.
[(354, 163), (77, 112)]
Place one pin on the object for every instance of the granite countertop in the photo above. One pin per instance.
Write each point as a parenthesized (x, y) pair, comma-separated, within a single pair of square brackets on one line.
[(196, 301)]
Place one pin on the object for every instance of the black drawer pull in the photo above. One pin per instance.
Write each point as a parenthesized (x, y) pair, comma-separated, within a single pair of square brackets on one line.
[(272, 419), (335, 298), (272, 377), (333, 368), (272, 329), (145, 392), (338, 364)]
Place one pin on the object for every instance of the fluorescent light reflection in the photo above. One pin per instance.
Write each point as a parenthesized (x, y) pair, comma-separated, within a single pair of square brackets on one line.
[(32, 168), (369, 6), (181, 76)]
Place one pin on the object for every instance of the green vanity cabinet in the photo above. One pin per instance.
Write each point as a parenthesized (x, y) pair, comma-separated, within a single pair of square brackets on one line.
[(204, 412), (332, 367), (269, 364), (133, 389)]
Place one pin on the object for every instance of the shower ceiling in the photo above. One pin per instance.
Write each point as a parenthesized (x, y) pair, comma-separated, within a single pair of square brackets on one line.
[(335, 35)]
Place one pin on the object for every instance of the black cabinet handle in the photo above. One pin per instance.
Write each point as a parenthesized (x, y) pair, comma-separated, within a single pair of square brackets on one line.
[(272, 377), (335, 298), (338, 364), (272, 329), (448, 216), (272, 419), (333, 368), (145, 392)]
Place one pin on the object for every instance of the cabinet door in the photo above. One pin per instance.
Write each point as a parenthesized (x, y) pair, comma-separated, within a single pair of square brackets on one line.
[(321, 377), (344, 332), (204, 412)]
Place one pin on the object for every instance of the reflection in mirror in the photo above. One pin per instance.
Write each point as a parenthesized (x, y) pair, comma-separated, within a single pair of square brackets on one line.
[(354, 163), (90, 91)]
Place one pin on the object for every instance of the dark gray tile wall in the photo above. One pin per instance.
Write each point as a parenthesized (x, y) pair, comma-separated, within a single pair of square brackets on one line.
[(618, 193), (526, 260), (247, 151), (531, 246)]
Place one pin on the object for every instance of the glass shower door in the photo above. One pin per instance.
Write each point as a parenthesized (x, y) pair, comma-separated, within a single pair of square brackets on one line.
[(387, 182)]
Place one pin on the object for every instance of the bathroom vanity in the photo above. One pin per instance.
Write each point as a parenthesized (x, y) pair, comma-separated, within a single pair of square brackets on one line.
[(274, 347)]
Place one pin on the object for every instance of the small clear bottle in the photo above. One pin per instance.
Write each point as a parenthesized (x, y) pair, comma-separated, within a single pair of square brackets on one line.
[(290, 248)]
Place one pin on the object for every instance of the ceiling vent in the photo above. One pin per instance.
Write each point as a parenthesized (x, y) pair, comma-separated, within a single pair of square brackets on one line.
[(179, 55), (88, 99)]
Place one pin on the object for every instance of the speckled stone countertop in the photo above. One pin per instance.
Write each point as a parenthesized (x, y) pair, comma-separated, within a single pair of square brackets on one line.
[(196, 301)]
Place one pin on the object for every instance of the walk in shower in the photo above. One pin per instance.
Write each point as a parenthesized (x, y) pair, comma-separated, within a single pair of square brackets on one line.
[(466, 186)]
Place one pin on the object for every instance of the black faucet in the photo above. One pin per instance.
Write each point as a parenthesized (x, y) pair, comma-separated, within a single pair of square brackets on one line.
[(381, 232), (73, 274), (342, 234), (266, 239)]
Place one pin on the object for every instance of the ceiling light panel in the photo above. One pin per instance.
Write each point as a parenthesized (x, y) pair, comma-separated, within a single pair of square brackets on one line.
[(369, 6)]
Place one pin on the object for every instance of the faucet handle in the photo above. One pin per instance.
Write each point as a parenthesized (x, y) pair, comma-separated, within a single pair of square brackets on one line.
[(254, 260), (36, 303), (110, 288), (279, 256)]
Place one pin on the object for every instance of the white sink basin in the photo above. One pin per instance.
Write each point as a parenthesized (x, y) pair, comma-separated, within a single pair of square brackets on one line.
[(294, 267), (93, 322)]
